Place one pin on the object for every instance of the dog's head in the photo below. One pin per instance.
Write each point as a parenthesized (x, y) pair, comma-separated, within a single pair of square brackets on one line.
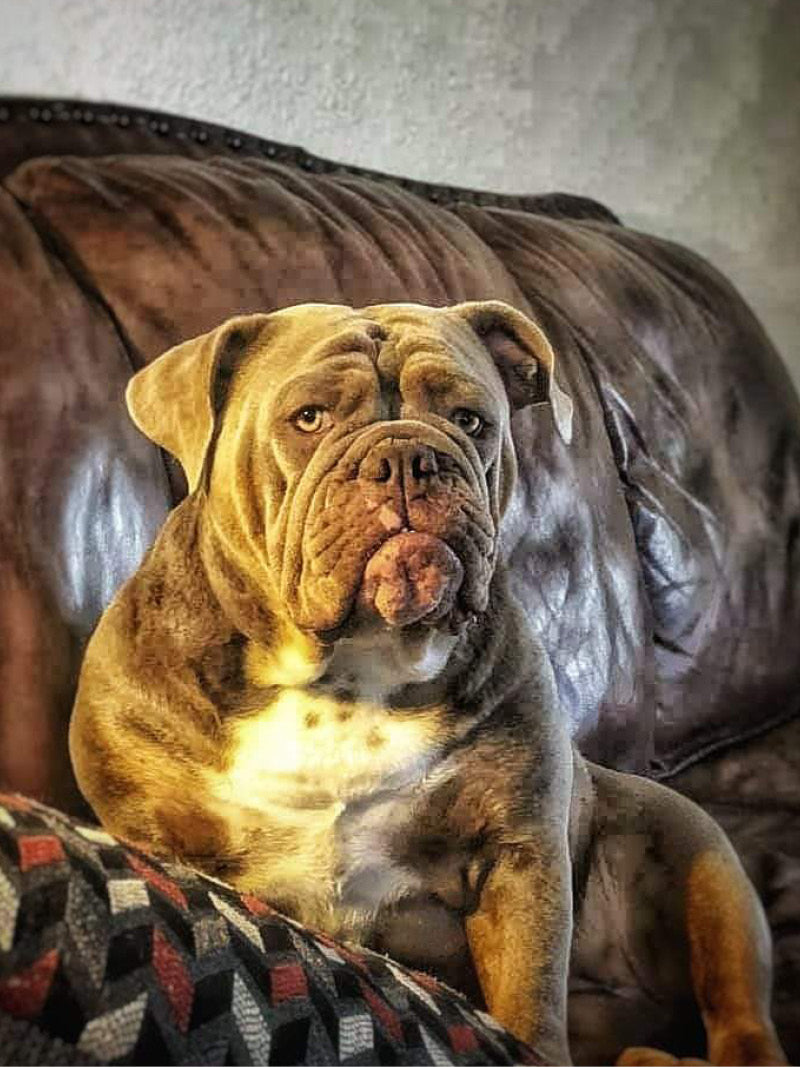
[(356, 462)]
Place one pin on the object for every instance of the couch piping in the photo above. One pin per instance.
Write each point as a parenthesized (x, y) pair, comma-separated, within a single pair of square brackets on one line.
[(213, 139)]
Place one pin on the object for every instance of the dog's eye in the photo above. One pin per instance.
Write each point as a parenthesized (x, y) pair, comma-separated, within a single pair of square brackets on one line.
[(469, 421), (310, 419)]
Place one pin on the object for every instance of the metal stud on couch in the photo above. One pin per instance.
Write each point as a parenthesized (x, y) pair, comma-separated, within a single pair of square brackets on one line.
[(661, 584)]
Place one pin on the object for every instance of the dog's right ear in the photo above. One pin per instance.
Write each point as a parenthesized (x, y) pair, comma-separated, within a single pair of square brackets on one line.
[(175, 400)]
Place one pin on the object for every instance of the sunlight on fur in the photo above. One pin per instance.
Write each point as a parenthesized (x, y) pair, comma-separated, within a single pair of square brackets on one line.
[(319, 747), (291, 662), (303, 761)]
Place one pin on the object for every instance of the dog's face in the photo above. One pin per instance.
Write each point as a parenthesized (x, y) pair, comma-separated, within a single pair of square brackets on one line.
[(358, 462)]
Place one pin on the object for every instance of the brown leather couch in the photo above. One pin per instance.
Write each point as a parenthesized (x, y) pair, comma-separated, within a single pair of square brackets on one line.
[(658, 555)]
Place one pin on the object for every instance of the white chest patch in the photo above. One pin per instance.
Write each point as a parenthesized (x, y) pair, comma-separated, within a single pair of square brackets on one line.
[(321, 786)]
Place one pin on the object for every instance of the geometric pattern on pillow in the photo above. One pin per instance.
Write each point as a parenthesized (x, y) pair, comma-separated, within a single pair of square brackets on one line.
[(110, 956)]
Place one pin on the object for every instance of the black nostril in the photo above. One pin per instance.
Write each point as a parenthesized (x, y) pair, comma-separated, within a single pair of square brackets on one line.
[(378, 468), (422, 465), (384, 471), (399, 463)]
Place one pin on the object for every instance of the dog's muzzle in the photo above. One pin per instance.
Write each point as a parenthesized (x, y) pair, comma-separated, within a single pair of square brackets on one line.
[(396, 530), (412, 577)]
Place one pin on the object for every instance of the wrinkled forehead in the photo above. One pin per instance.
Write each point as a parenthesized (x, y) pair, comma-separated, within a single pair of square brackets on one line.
[(390, 336), (412, 332), (300, 337)]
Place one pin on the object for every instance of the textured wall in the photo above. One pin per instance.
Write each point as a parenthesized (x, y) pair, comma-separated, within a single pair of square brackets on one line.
[(682, 115)]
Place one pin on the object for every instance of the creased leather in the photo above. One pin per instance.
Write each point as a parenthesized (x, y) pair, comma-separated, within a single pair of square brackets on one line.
[(683, 547), (176, 247), (81, 497), (658, 555), (704, 423)]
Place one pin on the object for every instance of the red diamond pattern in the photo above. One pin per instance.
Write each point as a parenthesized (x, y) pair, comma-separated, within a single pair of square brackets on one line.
[(351, 957), (174, 979), (382, 1011), (158, 881), (24, 993), (256, 906), (38, 851), (287, 980), (101, 974), (462, 1038)]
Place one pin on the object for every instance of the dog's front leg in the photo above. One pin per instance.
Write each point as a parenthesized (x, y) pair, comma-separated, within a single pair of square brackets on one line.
[(519, 937)]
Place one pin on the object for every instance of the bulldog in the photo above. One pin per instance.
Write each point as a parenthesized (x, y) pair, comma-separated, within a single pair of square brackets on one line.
[(319, 688)]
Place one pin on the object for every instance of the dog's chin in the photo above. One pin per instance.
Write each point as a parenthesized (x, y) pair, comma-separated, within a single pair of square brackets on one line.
[(412, 580), (410, 586)]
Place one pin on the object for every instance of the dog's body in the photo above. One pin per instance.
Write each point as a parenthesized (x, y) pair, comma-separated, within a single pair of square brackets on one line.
[(318, 688)]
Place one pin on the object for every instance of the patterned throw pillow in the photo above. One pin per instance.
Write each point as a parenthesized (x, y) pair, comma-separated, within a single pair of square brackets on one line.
[(108, 956)]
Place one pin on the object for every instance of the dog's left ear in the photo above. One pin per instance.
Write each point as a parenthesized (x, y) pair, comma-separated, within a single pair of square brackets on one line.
[(523, 355), (175, 400)]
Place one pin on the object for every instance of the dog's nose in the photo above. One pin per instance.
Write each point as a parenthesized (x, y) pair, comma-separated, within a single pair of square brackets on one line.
[(401, 462)]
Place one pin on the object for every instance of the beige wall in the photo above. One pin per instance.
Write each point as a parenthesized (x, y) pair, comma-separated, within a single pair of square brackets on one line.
[(681, 115)]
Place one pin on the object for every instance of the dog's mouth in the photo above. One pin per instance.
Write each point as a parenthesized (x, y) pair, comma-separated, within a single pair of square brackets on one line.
[(414, 577), (392, 534)]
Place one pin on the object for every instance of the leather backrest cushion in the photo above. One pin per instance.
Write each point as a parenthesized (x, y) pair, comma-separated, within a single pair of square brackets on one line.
[(81, 496), (653, 553), (705, 426)]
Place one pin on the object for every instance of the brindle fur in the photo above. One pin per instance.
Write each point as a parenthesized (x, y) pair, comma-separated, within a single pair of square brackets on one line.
[(434, 808)]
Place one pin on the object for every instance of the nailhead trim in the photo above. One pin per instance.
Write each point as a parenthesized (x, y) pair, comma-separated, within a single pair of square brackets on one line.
[(560, 205)]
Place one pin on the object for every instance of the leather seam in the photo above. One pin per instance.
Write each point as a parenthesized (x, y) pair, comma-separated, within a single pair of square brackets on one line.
[(213, 139)]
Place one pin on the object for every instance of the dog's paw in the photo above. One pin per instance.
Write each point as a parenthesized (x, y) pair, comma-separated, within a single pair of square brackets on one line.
[(756, 1048), (652, 1057)]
